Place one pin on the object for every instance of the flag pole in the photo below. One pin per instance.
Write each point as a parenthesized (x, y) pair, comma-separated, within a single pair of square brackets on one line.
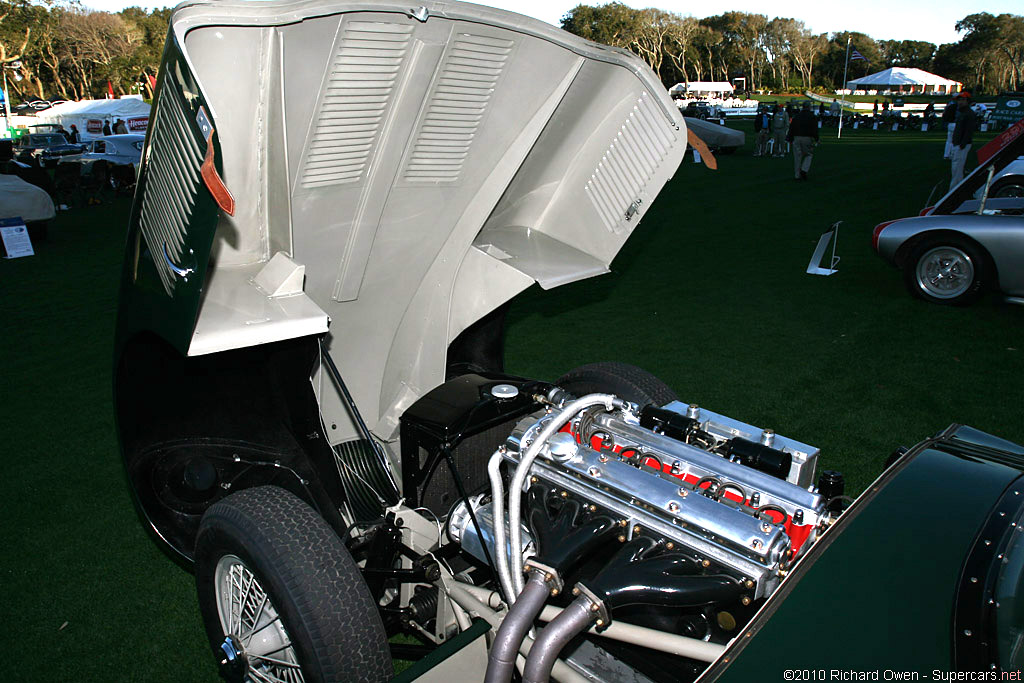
[(842, 107)]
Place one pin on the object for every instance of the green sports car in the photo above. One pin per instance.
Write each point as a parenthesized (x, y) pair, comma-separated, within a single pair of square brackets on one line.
[(335, 204)]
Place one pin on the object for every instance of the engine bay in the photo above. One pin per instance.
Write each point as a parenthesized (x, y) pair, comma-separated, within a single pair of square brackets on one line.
[(665, 526)]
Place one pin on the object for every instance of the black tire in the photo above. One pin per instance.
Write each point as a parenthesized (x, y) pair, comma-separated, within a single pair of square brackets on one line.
[(624, 380), (310, 578), (1010, 186), (969, 278)]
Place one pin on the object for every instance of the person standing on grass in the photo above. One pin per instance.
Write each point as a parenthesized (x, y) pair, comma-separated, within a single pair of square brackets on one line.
[(963, 136), (949, 118), (762, 126), (803, 133), (780, 123)]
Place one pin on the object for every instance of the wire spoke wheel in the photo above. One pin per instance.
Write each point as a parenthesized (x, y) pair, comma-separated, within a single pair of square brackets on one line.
[(945, 272), (281, 597), (247, 613)]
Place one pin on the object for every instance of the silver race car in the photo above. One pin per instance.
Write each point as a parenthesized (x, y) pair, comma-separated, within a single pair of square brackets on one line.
[(971, 241)]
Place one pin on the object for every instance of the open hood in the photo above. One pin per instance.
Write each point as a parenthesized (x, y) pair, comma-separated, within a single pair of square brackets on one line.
[(403, 172)]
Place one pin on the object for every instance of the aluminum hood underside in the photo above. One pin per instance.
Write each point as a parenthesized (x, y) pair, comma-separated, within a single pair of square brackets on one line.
[(424, 166)]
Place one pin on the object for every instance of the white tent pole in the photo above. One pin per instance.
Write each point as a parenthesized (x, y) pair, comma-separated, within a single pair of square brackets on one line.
[(842, 107)]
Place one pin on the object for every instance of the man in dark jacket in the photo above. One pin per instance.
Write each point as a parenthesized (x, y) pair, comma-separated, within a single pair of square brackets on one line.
[(106, 128), (949, 118), (963, 136), (803, 133)]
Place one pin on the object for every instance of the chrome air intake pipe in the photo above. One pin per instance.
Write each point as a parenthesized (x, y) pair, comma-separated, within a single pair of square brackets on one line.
[(643, 572)]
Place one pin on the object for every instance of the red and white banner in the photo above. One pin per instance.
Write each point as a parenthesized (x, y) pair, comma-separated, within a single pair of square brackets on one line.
[(138, 125), (94, 126)]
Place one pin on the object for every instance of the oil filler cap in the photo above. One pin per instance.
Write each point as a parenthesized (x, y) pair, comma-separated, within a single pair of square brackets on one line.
[(504, 391)]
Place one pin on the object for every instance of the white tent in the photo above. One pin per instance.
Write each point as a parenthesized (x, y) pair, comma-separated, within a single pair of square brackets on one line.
[(89, 115), (904, 79), (716, 87)]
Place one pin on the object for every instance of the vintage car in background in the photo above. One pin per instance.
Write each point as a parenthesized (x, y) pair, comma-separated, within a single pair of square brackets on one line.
[(718, 138), (44, 149), (125, 149), (314, 414), (971, 241), (1010, 181)]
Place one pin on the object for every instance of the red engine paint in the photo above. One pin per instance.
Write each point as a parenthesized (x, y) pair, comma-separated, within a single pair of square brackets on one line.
[(798, 533)]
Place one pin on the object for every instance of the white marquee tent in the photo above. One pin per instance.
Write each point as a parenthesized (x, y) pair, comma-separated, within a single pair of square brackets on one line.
[(89, 115), (905, 79)]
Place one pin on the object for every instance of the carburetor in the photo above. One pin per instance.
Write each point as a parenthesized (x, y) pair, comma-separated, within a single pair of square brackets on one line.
[(731, 493)]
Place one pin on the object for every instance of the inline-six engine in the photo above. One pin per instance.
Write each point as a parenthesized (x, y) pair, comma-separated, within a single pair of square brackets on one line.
[(729, 492), (673, 516)]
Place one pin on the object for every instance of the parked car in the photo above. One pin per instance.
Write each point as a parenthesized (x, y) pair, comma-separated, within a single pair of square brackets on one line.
[(314, 414), (718, 138), (1010, 181), (971, 241), (32, 204), (700, 110), (44, 149), (954, 258), (115, 149)]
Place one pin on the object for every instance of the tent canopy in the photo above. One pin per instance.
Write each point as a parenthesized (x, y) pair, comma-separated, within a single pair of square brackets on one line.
[(129, 109), (702, 86), (904, 76)]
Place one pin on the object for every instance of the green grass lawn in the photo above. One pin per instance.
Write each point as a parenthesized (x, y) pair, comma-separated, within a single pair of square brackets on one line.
[(710, 294)]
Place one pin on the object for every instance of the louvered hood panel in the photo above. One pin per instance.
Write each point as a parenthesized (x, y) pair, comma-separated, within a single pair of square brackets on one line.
[(424, 165)]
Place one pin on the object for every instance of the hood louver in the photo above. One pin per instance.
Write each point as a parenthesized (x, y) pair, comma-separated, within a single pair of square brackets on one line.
[(172, 181)]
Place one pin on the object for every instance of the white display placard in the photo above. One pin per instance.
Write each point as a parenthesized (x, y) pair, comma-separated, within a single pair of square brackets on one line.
[(16, 242)]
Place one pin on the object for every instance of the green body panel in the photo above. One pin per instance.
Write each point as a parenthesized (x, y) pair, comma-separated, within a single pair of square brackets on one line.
[(878, 591), (144, 304)]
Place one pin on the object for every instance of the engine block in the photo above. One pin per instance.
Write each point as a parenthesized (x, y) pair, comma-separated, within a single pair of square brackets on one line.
[(699, 494)]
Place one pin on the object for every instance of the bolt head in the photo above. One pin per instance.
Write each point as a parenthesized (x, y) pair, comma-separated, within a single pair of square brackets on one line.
[(670, 545), (706, 563), (673, 506), (564, 494), (745, 600), (575, 591), (600, 622), (594, 607), (636, 529), (533, 480), (622, 538)]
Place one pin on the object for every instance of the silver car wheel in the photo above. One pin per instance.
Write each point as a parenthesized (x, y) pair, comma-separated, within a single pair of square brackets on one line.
[(945, 272), (252, 624)]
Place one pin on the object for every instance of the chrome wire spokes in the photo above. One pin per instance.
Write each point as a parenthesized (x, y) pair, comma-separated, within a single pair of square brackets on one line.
[(247, 613)]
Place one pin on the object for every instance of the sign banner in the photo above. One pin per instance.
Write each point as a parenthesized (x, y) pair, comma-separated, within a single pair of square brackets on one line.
[(138, 125), (1000, 141), (94, 126), (1009, 107), (15, 239)]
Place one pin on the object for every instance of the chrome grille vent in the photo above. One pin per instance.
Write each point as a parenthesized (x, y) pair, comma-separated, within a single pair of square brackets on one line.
[(456, 108), (172, 181), (639, 147), (354, 102)]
